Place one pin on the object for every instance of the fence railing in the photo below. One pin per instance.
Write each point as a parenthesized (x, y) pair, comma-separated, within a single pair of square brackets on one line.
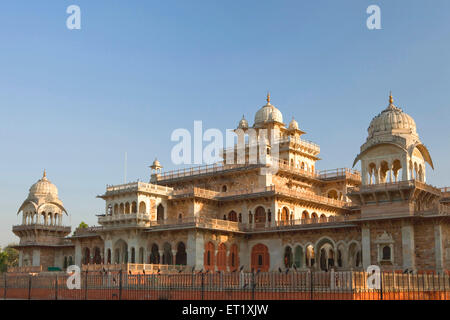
[(288, 285)]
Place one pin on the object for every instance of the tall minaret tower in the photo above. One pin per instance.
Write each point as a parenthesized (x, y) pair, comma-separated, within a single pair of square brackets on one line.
[(42, 231)]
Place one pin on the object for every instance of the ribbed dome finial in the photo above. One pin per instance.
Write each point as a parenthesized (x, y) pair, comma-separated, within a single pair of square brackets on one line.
[(391, 100), (268, 97), (45, 174)]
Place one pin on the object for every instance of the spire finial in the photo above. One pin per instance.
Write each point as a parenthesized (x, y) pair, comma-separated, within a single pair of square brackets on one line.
[(391, 100), (45, 174), (268, 97)]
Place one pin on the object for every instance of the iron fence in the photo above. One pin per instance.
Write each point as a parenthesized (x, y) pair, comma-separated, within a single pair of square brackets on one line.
[(227, 286)]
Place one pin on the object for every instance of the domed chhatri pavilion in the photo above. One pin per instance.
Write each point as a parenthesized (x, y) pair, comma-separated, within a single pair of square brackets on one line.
[(223, 216)]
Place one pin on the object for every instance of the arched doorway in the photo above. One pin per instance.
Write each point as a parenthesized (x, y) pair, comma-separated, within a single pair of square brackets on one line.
[(298, 256), (87, 256), (325, 248), (288, 257), (260, 259), (167, 255), (160, 212), (154, 254), (310, 256), (121, 251), (181, 256), (97, 256), (208, 259)]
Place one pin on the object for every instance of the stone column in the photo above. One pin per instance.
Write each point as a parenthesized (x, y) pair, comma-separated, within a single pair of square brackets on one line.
[(438, 247), (78, 254), (174, 255), (195, 249), (365, 243), (408, 252)]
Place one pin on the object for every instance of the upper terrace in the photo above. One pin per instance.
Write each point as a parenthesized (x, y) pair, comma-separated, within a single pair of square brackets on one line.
[(220, 167)]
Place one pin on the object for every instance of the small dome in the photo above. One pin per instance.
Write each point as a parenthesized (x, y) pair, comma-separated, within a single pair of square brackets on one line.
[(156, 164), (293, 125), (43, 188), (243, 124), (392, 118), (268, 113)]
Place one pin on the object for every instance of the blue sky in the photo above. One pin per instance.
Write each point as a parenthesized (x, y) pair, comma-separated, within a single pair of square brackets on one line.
[(74, 101)]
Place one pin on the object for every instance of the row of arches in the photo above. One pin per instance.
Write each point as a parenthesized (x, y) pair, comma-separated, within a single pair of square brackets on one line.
[(224, 259), (45, 218), (131, 208), (324, 255), (302, 165), (93, 256), (120, 253), (261, 216)]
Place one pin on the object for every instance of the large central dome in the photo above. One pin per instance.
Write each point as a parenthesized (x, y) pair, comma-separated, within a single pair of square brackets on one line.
[(392, 120), (268, 113), (43, 188)]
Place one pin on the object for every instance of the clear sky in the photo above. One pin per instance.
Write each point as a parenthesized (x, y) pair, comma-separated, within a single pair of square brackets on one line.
[(74, 101)]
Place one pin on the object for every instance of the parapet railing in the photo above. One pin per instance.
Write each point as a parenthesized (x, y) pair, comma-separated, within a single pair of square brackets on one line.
[(25, 269), (86, 231), (123, 217), (21, 227), (138, 186), (398, 185)]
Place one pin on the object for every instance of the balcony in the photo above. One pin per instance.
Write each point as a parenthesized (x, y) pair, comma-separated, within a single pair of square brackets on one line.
[(41, 227), (122, 220), (136, 187)]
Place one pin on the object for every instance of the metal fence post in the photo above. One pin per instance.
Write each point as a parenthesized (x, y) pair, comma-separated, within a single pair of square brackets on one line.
[(253, 285), (381, 285), (29, 287), (203, 285), (4, 291), (56, 287), (86, 285), (120, 284)]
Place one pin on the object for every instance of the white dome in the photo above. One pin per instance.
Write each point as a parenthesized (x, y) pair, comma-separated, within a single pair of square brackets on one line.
[(43, 188), (268, 113), (392, 118), (293, 125)]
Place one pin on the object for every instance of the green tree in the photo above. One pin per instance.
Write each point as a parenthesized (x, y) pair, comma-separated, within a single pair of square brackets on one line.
[(83, 225), (9, 257)]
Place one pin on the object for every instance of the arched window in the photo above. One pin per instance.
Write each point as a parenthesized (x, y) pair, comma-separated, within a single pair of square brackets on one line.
[(240, 217), (116, 209), (160, 212), (222, 257), (70, 260), (260, 259), (285, 214), (109, 256), (314, 216), (142, 207), (208, 260), (305, 215), (386, 253), (310, 256), (141, 255), (260, 215), (323, 218), (181, 256), (121, 208), (232, 216), (65, 263), (134, 207), (127, 208), (332, 194), (224, 188), (109, 210), (133, 255)]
